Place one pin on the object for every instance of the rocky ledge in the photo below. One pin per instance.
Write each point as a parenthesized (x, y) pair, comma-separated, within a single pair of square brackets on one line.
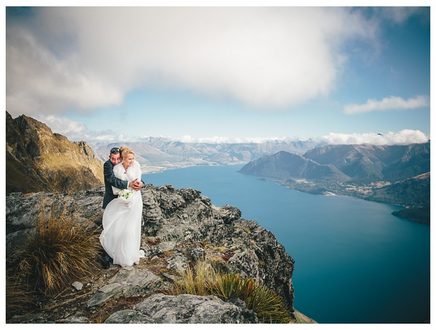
[(179, 228)]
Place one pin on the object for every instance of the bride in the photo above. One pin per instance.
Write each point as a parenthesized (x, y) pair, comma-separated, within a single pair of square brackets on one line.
[(121, 236)]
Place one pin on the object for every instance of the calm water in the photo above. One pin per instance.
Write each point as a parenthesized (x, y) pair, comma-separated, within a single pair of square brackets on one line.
[(354, 261)]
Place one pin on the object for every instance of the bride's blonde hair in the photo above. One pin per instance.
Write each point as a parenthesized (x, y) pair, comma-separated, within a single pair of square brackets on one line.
[(124, 151)]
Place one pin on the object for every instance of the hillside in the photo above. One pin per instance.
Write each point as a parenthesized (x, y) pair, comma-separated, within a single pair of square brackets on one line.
[(367, 163), (389, 174), (283, 165), (417, 192), (39, 160)]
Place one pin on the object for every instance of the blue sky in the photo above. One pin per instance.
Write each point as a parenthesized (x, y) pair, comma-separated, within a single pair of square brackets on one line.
[(120, 73)]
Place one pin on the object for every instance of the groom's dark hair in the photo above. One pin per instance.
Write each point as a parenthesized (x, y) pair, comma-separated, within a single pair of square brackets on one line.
[(115, 150)]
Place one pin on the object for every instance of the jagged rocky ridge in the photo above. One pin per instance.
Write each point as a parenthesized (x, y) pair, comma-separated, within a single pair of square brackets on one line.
[(39, 160), (180, 227)]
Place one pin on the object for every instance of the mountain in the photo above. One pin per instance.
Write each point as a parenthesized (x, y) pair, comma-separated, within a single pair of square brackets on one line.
[(413, 160), (284, 165), (162, 153), (39, 160), (389, 174), (181, 227), (415, 190), (367, 163)]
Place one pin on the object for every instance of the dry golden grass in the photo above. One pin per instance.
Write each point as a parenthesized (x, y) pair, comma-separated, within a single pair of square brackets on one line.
[(203, 280), (60, 252), (195, 280), (18, 297)]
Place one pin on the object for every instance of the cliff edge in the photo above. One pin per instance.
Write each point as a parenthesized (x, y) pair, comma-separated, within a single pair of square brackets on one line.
[(180, 227)]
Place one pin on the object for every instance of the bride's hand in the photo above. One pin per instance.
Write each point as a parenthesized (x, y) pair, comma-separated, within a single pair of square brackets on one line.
[(136, 185), (133, 184)]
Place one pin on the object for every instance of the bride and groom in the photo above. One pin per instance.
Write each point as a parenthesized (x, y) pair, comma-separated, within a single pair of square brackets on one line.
[(121, 235)]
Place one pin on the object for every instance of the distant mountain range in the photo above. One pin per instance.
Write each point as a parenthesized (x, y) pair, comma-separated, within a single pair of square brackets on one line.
[(39, 160), (368, 163), (390, 174), (156, 153), (285, 165)]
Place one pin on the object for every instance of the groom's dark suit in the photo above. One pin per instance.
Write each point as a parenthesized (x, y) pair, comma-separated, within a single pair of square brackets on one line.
[(111, 180)]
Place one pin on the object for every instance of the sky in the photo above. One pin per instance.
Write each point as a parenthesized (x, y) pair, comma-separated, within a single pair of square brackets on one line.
[(344, 74)]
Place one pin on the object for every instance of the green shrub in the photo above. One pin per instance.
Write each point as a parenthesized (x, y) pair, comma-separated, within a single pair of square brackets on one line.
[(203, 280)]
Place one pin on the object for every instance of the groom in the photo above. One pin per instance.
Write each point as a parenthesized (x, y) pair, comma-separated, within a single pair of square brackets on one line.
[(111, 180)]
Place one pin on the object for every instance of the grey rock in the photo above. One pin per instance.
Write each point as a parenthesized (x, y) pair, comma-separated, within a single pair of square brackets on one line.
[(196, 254), (247, 263), (77, 285), (135, 281), (126, 283), (152, 211), (178, 263), (193, 309), (170, 277), (229, 214), (128, 316), (167, 246), (104, 293), (74, 319)]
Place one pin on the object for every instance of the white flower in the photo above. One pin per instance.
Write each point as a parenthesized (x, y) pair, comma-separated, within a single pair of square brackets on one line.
[(125, 195)]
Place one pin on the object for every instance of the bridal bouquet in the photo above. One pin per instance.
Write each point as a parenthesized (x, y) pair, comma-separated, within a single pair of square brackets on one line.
[(126, 195)]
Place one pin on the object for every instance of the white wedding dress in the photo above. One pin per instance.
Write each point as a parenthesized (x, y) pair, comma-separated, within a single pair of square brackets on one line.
[(121, 236)]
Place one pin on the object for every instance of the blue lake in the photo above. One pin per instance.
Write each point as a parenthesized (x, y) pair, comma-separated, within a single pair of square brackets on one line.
[(354, 261)]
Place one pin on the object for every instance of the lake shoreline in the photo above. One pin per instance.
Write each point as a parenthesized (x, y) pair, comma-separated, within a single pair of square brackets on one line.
[(405, 213), (358, 244)]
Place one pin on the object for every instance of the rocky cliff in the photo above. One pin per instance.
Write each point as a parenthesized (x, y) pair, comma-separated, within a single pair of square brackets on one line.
[(39, 160), (180, 227)]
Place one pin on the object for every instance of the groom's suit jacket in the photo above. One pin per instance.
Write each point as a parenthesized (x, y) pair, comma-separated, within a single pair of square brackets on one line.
[(111, 180)]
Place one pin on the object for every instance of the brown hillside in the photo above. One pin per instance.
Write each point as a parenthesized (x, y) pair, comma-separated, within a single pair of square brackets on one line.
[(39, 160)]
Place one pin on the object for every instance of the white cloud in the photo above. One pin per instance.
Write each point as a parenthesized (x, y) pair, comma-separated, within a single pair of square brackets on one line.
[(91, 57), (76, 131), (406, 136), (387, 104), (62, 125), (225, 139)]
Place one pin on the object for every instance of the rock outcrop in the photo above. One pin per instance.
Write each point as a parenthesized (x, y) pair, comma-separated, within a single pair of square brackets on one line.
[(184, 308), (180, 227), (39, 160)]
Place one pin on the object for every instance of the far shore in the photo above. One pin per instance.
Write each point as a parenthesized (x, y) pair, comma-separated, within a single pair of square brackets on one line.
[(149, 169)]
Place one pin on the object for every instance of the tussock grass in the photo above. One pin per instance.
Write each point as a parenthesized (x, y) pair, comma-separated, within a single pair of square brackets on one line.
[(203, 279), (195, 280), (18, 298), (59, 252)]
